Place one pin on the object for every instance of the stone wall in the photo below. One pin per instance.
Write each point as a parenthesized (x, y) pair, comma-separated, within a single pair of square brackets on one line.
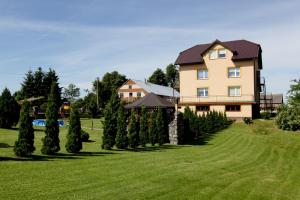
[(176, 129)]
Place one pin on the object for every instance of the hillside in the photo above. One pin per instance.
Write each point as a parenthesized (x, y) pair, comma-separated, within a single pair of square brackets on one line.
[(241, 162)]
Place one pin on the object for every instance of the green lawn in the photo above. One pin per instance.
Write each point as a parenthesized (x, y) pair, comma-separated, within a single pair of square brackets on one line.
[(241, 162)]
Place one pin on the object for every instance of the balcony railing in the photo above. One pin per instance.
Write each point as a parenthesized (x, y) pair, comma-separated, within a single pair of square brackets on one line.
[(217, 98)]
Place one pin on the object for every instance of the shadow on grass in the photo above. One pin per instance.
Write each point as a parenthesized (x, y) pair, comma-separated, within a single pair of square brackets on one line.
[(5, 145), (58, 156), (204, 139), (89, 141), (152, 148)]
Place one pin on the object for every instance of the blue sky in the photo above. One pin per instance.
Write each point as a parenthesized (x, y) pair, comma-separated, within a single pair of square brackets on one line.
[(84, 39)]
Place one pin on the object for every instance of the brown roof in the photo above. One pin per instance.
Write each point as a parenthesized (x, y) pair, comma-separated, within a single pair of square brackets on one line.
[(276, 98), (241, 49), (150, 101)]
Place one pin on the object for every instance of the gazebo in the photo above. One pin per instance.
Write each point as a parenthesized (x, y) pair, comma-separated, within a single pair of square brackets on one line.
[(151, 101)]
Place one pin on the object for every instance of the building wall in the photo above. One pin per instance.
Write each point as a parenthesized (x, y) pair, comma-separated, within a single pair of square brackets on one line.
[(134, 90), (246, 111), (218, 83)]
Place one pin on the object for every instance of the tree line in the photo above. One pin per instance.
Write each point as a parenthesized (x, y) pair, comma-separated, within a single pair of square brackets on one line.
[(24, 146), (197, 127), (123, 131)]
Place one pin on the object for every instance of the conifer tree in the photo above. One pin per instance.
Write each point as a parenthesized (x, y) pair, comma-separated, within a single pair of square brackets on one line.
[(110, 122), (143, 127), (9, 110), (160, 127), (27, 90), (152, 128), (121, 138), (51, 140), (24, 145), (74, 142), (133, 138)]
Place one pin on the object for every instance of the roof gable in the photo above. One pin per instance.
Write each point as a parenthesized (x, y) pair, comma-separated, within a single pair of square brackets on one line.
[(213, 44), (154, 88), (241, 49)]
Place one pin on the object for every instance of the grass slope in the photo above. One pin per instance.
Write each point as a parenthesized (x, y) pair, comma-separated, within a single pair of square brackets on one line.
[(241, 162)]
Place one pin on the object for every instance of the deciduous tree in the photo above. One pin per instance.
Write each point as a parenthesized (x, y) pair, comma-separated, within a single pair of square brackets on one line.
[(158, 77)]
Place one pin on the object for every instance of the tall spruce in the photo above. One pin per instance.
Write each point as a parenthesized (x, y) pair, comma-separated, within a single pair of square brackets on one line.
[(133, 137), (9, 110), (38, 82), (143, 132), (160, 127), (24, 146), (74, 142), (51, 140), (152, 128), (27, 90), (48, 79), (110, 122), (121, 138)]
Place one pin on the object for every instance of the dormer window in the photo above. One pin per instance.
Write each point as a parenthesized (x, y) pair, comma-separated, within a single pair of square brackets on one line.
[(213, 54), (130, 86), (217, 53), (222, 53)]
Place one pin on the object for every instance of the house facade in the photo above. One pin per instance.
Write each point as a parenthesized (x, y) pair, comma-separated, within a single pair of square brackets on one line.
[(136, 89), (221, 76)]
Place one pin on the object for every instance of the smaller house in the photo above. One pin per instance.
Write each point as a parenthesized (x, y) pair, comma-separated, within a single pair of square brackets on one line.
[(136, 89), (270, 102)]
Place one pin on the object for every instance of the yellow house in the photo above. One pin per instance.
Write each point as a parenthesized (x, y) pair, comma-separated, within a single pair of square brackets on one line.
[(221, 76)]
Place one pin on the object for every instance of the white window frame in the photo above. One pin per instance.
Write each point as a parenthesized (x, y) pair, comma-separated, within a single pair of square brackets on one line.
[(225, 53), (204, 91), (235, 93), (202, 74), (211, 53), (237, 72)]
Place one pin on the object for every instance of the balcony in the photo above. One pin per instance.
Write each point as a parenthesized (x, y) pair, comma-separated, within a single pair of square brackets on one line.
[(218, 99)]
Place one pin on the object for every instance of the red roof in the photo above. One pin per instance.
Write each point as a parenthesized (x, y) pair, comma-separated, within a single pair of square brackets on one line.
[(241, 49)]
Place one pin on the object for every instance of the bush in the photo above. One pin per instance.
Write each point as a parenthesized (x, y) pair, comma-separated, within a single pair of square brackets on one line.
[(288, 118), (84, 136), (247, 120), (265, 115)]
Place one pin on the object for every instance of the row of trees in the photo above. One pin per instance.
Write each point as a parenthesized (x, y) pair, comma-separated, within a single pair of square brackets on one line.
[(37, 84), (24, 146), (288, 116), (197, 126), (123, 132)]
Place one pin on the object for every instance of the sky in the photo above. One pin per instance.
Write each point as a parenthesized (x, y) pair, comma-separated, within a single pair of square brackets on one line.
[(84, 39)]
